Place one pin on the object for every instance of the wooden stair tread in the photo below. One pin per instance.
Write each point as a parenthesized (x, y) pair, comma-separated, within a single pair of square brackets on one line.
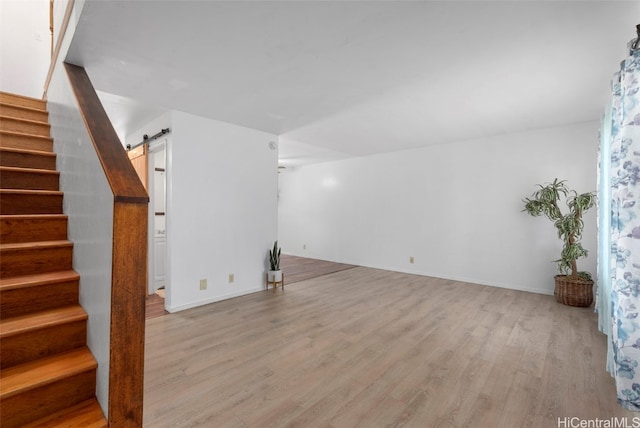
[(27, 151), (29, 177), (30, 170), (31, 201), (17, 379), (30, 121), (35, 292), (25, 140), (19, 156), (26, 135), (87, 414), (9, 98), (29, 322), (31, 192), (35, 126), (23, 112), (31, 216), (32, 227), (24, 258), (35, 245), (37, 279), (21, 107)]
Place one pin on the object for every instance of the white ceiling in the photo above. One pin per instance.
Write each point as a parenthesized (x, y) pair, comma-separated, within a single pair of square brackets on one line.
[(348, 78)]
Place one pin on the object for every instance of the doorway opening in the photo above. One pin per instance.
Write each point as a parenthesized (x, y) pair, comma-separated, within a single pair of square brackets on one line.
[(157, 283)]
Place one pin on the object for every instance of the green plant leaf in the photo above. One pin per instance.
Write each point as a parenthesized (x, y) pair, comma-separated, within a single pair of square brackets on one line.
[(274, 257), (545, 201)]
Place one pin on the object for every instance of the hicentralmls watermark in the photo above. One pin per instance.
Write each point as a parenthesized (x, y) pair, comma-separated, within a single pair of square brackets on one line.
[(615, 422)]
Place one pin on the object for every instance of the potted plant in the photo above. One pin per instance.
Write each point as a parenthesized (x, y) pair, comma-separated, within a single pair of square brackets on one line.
[(573, 287), (274, 274)]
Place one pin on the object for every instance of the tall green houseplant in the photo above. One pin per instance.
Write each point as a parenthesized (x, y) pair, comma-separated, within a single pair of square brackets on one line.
[(545, 201), (274, 274), (274, 257)]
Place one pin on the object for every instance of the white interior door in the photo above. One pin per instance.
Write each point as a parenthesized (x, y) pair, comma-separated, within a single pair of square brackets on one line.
[(158, 216)]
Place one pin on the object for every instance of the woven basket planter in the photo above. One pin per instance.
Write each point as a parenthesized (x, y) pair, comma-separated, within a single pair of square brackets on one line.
[(573, 292)]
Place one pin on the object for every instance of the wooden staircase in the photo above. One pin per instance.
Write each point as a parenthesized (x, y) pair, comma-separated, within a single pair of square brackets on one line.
[(47, 373)]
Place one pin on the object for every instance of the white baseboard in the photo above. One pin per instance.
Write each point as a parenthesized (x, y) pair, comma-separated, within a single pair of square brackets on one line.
[(214, 299), (548, 292)]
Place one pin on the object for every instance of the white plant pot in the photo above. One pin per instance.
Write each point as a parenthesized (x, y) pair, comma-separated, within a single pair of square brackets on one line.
[(274, 275)]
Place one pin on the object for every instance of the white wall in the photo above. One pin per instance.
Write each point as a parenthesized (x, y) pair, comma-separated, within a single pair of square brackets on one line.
[(88, 202), (221, 208), (25, 46), (455, 208)]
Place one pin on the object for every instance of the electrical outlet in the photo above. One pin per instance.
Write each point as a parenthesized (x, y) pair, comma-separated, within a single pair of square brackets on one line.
[(304, 246), (411, 259), (231, 278), (203, 284)]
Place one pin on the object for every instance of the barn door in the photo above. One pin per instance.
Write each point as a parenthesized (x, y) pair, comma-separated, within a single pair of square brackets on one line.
[(138, 157)]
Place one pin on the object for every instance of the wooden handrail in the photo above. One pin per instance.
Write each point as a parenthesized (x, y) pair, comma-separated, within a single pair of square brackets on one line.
[(124, 181), (129, 258), (56, 50)]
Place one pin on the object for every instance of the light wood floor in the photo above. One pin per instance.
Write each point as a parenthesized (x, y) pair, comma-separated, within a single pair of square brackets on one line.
[(154, 306), (372, 348), (298, 269)]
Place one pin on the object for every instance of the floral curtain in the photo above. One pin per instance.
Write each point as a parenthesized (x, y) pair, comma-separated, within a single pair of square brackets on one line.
[(618, 297)]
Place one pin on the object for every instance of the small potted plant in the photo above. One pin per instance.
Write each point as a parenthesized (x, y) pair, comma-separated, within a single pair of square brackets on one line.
[(572, 287), (274, 274)]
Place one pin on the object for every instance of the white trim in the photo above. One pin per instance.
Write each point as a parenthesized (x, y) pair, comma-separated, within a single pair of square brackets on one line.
[(471, 281), (179, 308)]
